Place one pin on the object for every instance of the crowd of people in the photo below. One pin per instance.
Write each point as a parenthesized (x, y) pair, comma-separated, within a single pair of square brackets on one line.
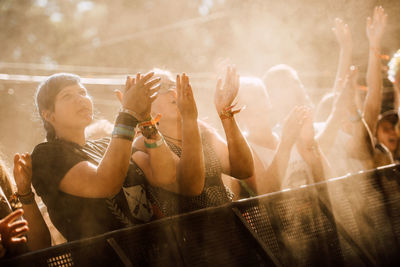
[(160, 160)]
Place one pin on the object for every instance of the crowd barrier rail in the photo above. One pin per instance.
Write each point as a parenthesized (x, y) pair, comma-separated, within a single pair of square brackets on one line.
[(347, 221)]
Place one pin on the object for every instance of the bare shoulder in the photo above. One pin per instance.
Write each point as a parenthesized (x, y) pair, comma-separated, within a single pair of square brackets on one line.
[(210, 132)]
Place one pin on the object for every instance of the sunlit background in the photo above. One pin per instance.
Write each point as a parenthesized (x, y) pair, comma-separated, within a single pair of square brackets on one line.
[(106, 40)]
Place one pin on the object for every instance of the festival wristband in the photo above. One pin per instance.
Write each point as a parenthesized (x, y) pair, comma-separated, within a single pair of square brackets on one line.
[(126, 119), (123, 131), (156, 144)]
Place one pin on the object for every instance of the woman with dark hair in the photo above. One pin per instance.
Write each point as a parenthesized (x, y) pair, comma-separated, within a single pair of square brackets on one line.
[(91, 187)]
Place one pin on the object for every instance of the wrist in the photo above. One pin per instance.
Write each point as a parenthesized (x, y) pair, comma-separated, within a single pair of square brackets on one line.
[(138, 116), (26, 199), (154, 143), (23, 192), (228, 112)]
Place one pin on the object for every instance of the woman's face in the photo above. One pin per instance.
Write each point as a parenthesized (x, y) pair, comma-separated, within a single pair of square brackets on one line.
[(166, 104), (386, 135), (73, 108)]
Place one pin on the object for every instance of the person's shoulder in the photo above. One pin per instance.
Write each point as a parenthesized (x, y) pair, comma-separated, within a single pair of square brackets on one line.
[(206, 129), (101, 141), (45, 147)]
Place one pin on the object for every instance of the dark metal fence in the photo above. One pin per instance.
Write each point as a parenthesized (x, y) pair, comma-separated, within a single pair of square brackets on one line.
[(347, 221)]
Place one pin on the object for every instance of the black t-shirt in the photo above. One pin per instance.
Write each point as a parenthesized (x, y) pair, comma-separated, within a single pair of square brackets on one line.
[(78, 217)]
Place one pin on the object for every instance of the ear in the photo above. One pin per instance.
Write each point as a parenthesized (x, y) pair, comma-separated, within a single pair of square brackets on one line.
[(47, 115)]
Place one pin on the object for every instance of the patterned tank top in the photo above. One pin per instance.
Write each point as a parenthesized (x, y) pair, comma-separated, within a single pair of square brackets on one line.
[(214, 192)]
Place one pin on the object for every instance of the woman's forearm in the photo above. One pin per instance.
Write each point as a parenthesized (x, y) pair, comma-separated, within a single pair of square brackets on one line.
[(38, 234), (276, 171), (373, 100), (191, 171), (240, 156)]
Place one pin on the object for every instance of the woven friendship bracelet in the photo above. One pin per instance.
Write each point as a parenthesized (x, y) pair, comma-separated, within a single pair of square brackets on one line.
[(228, 112), (27, 198), (126, 119)]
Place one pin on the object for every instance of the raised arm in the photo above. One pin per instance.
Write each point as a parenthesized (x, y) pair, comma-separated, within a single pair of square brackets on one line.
[(38, 234), (105, 180), (240, 164), (191, 172), (361, 144), (373, 101), (343, 36), (328, 135), (310, 151), (189, 168), (270, 181)]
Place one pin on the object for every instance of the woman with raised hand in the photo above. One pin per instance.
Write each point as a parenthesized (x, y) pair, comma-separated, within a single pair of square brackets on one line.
[(12, 231), (201, 155), (91, 187), (38, 236)]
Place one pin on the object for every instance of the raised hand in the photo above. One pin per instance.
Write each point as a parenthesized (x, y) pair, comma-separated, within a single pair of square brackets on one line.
[(11, 229), (185, 100), (346, 101), (293, 124), (343, 34), (307, 133), (225, 93), (376, 26), (140, 92), (23, 173)]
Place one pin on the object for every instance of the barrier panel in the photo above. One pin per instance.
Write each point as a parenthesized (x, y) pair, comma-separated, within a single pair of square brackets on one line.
[(346, 221)]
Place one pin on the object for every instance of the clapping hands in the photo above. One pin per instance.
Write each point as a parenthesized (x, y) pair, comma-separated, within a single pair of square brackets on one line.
[(140, 92), (185, 99)]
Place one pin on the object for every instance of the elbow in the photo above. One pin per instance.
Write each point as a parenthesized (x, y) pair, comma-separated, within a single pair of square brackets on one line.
[(195, 190), (195, 186), (243, 173)]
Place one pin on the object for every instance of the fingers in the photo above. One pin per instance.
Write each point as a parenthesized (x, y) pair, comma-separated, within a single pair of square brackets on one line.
[(19, 231), (151, 83), (141, 81), (18, 240), (154, 90), (178, 85), (183, 86), (13, 216), (18, 227), (219, 84), (119, 95)]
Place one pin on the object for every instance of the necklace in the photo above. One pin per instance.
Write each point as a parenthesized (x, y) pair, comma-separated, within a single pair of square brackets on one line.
[(173, 139)]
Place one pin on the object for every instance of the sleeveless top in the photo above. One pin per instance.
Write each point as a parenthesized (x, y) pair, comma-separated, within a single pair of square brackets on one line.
[(214, 192)]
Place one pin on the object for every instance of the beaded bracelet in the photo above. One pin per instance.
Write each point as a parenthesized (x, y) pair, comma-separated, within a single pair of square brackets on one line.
[(149, 128), (26, 198)]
